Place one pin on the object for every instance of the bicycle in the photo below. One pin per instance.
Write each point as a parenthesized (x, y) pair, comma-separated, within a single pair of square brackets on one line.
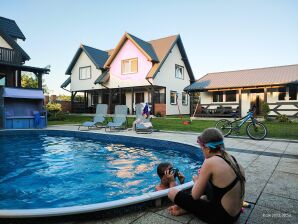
[(254, 129)]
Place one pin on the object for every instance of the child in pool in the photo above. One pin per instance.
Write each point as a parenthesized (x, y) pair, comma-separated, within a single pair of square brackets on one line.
[(167, 176)]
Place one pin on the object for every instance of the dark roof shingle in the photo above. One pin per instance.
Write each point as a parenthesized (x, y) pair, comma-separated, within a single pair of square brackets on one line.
[(11, 28)]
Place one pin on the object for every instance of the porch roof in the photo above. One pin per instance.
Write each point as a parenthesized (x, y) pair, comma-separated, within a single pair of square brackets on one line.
[(270, 76), (104, 77), (27, 68), (66, 82)]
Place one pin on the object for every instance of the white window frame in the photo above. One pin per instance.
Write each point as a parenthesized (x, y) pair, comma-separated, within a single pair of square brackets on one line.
[(182, 71), (175, 99), (185, 101), (87, 76), (129, 66)]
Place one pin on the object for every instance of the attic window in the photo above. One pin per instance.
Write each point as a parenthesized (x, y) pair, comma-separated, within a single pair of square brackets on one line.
[(179, 72), (85, 72), (129, 66)]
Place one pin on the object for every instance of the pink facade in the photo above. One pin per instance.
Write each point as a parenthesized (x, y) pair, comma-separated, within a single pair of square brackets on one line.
[(128, 51)]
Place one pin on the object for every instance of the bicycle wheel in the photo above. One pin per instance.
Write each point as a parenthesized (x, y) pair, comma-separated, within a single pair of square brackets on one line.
[(225, 126), (256, 131)]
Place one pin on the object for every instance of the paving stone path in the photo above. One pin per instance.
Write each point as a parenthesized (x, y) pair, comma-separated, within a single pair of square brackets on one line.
[(271, 168)]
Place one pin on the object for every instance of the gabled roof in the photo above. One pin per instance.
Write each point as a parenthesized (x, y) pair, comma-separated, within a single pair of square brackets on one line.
[(145, 47), (11, 28), (163, 48), (98, 57), (247, 78), (14, 45)]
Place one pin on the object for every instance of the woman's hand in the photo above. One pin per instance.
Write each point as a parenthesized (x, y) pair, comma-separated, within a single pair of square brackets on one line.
[(172, 194), (195, 178)]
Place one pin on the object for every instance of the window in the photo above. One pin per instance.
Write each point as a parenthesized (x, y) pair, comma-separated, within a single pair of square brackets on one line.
[(179, 72), (85, 72), (282, 93), (231, 96), (292, 92), (217, 96), (184, 98), (129, 66), (173, 97)]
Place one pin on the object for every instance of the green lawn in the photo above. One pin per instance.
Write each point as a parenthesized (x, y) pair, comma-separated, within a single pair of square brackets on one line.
[(275, 129)]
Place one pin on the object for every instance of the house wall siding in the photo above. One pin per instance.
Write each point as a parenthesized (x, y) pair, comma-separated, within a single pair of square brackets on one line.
[(166, 77), (4, 44), (128, 51), (86, 84)]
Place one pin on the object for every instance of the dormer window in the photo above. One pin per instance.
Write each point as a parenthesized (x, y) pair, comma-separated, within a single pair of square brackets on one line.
[(129, 66), (179, 72)]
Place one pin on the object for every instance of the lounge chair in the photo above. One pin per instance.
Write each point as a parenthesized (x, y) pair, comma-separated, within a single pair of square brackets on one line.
[(119, 119), (142, 124), (98, 119)]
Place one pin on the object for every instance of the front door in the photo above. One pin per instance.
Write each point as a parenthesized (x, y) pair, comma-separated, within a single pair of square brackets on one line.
[(140, 97), (257, 99)]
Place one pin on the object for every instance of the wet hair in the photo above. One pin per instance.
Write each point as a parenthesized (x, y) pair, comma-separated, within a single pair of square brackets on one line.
[(161, 168), (214, 135)]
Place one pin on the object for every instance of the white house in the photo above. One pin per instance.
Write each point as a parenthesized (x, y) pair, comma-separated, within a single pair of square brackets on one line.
[(135, 71), (224, 92)]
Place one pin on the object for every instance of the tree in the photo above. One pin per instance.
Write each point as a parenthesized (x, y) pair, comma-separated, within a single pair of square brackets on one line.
[(64, 98), (30, 81)]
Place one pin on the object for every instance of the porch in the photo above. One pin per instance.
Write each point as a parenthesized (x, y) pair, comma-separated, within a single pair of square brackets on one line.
[(86, 101), (281, 99)]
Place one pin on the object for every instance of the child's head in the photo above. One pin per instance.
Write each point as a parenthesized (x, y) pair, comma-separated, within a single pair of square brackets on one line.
[(161, 168)]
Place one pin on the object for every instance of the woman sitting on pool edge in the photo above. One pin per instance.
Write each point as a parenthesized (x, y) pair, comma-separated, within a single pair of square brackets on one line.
[(221, 179)]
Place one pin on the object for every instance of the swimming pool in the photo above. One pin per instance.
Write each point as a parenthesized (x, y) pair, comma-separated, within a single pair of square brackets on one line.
[(53, 171)]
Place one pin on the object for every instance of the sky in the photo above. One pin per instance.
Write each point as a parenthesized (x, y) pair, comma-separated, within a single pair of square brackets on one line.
[(217, 35)]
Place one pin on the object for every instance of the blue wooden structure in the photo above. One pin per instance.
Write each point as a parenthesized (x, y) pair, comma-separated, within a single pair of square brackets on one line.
[(19, 107)]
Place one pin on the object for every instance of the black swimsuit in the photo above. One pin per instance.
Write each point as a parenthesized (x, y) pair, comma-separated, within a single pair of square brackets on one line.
[(210, 211)]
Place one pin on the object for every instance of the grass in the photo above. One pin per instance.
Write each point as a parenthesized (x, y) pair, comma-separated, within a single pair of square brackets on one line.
[(275, 129)]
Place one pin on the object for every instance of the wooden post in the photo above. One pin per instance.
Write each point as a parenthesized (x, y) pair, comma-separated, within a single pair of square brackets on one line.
[(152, 100), (71, 102), (132, 100), (110, 101), (120, 100), (265, 94), (240, 95), (19, 84), (85, 101), (39, 79)]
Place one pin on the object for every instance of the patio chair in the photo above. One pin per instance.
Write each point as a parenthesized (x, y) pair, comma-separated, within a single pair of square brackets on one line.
[(119, 119), (142, 124), (98, 119)]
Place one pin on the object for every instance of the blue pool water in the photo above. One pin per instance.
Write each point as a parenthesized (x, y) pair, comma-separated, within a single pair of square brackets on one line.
[(45, 171)]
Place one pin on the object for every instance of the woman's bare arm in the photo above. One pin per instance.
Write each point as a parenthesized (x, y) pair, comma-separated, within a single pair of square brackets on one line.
[(201, 182)]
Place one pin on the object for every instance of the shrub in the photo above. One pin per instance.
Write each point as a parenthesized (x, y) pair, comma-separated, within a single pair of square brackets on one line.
[(53, 109), (60, 116), (265, 110), (158, 114), (283, 118)]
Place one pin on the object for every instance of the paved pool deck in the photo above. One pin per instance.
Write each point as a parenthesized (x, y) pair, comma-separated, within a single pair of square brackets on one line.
[(271, 168)]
